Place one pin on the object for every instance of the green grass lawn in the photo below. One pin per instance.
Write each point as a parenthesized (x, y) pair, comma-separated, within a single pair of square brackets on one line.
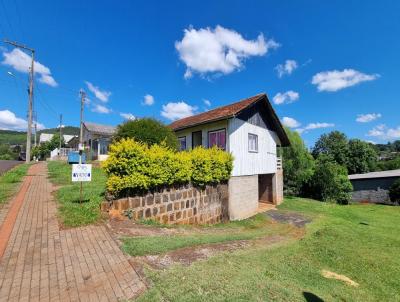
[(71, 211), (361, 242), (10, 180)]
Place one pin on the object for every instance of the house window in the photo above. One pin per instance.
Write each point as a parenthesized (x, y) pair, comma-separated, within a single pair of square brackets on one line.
[(217, 138), (182, 143), (253, 142), (196, 139)]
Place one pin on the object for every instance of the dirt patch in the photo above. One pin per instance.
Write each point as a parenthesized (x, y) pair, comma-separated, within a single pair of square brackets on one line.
[(186, 256), (332, 275), (295, 219), (125, 227)]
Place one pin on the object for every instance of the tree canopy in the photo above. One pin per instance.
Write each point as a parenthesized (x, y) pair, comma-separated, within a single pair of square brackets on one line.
[(335, 145), (149, 131), (362, 157)]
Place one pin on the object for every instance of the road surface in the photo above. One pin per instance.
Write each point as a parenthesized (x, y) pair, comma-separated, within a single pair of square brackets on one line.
[(6, 165)]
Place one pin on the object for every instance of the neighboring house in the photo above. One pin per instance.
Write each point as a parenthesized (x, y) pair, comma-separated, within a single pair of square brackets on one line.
[(46, 137), (251, 131), (97, 138), (374, 186)]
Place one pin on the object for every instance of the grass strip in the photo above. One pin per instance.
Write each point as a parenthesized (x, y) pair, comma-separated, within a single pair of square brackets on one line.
[(70, 210), (10, 180)]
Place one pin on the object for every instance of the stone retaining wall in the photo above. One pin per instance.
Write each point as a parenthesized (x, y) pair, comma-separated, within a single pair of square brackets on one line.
[(182, 205)]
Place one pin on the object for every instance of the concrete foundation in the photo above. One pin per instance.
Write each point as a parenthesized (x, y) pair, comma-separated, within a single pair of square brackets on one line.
[(243, 196)]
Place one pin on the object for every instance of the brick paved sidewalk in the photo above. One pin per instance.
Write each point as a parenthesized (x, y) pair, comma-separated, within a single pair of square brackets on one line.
[(43, 263)]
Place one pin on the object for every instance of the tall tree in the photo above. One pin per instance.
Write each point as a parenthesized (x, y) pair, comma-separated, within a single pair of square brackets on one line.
[(298, 164), (362, 157), (335, 145)]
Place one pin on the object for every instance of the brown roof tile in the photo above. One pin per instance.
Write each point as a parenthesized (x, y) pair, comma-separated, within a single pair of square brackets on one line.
[(215, 114)]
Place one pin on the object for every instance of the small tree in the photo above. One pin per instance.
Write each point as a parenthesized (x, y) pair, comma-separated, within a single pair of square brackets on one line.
[(394, 191), (330, 182), (149, 131), (298, 164)]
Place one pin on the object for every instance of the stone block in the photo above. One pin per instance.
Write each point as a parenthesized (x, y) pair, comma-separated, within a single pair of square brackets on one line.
[(134, 202), (169, 207)]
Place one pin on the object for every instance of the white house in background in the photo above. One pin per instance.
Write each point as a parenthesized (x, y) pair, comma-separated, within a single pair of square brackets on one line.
[(252, 132), (46, 137), (97, 138)]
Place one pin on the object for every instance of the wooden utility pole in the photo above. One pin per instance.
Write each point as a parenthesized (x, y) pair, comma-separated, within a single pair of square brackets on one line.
[(30, 99), (60, 133), (83, 95), (35, 129)]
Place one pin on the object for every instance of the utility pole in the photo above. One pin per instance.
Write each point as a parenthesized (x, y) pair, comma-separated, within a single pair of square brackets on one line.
[(35, 129), (60, 132), (83, 95), (30, 99)]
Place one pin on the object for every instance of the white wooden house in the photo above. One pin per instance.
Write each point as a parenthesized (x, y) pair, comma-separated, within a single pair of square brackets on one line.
[(252, 132)]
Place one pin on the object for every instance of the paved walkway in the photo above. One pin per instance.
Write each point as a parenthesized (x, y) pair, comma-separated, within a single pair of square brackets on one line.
[(42, 263)]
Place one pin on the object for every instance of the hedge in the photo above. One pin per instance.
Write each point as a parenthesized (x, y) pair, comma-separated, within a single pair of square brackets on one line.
[(133, 166)]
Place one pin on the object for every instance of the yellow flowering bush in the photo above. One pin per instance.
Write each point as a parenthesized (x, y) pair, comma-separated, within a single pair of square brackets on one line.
[(134, 166)]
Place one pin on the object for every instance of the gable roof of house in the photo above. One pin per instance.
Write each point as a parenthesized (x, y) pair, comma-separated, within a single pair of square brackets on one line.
[(230, 111), (378, 174), (100, 129)]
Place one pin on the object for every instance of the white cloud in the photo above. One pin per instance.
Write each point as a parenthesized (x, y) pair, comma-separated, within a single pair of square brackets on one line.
[(101, 109), (290, 122), (207, 102), (102, 95), (369, 117), (128, 116), (9, 121), (218, 50), (286, 97), (148, 100), (287, 68), (312, 126), (178, 110), (335, 80), (384, 133), (21, 62)]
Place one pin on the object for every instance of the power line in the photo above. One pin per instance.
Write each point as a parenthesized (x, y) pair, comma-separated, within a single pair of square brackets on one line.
[(7, 19)]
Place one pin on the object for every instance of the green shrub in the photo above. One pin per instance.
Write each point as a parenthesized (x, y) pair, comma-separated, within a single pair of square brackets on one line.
[(330, 182), (149, 131), (134, 166), (394, 191)]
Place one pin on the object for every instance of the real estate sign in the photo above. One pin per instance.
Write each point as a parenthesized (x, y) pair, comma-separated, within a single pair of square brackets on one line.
[(81, 172)]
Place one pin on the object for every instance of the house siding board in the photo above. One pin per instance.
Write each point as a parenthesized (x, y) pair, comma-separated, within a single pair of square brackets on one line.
[(250, 163), (204, 129)]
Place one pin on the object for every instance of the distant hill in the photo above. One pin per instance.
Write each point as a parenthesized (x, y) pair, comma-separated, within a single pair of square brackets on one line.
[(19, 137)]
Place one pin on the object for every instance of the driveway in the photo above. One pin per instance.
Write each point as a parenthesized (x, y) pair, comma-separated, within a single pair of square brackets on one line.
[(6, 165)]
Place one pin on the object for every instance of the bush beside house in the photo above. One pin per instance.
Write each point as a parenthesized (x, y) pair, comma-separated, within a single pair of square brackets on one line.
[(134, 167)]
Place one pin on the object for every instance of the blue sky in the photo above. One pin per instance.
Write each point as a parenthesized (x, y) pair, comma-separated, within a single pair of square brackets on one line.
[(323, 65)]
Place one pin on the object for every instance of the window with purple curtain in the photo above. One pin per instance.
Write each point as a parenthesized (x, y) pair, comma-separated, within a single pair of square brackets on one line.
[(217, 138)]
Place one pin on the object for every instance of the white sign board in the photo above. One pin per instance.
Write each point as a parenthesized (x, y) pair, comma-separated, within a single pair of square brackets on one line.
[(82, 172)]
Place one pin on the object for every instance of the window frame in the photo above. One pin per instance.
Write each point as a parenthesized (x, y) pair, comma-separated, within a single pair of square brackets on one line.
[(216, 131), (248, 142), (179, 139)]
